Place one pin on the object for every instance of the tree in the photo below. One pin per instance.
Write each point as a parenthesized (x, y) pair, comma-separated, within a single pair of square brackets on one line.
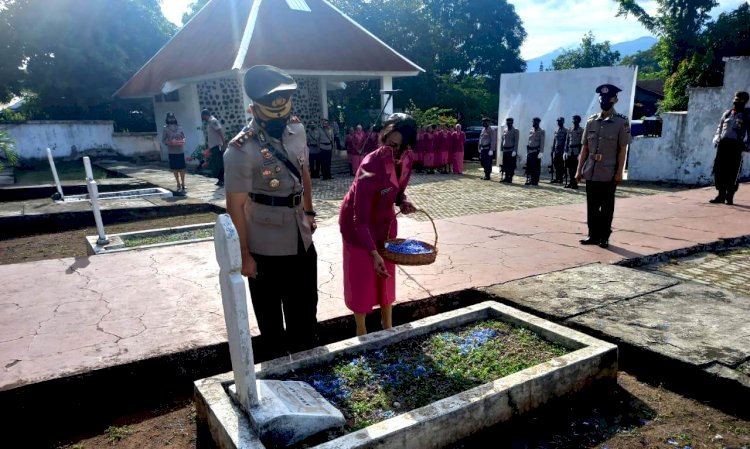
[(647, 62), (589, 54), (76, 53), (192, 10), (678, 23)]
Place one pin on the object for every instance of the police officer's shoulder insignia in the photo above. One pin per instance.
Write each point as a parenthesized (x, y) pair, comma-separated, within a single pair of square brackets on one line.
[(593, 116), (241, 138), (622, 116)]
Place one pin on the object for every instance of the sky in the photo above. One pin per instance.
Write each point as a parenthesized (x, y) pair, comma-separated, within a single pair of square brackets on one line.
[(549, 24)]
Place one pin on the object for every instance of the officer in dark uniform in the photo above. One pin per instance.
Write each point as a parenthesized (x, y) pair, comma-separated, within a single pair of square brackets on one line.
[(605, 141), (534, 151), (487, 144), (558, 149), (572, 151), (268, 193), (731, 140)]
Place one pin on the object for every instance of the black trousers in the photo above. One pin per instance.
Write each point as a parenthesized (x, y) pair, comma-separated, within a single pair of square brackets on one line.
[(533, 168), (509, 165), (727, 166), (325, 163), (217, 162), (486, 160), (286, 291), (559, 163), (600, 207), (571, 163), (315, 164)]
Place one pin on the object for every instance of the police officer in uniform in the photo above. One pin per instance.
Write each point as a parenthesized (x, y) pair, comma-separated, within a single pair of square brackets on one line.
[(487, 143), (731, 140), (572, 151), (558, 149), (268, 193), (509, 146), (325, 140), (605, 141), (534, 151)]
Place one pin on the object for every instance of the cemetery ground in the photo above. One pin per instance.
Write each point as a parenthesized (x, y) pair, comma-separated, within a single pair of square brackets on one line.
[(641, 412)]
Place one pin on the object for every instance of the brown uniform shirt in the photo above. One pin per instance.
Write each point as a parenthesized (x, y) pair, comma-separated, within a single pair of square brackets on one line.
[(574, 142), (604, 137), (510, 140), (272, 230), (536, 140)]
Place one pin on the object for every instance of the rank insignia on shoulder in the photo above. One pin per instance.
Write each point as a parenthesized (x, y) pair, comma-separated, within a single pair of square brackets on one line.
[(241, 138), (295, 119), (621, 115)]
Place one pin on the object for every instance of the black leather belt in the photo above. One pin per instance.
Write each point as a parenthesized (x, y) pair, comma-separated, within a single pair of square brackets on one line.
[(292, 200), (576, 146), (532, 148), (508, 148)]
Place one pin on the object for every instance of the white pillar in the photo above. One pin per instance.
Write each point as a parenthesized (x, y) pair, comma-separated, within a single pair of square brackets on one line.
[(94, 198), (234, 300), (324, 98), (54, 174), (386, 83)]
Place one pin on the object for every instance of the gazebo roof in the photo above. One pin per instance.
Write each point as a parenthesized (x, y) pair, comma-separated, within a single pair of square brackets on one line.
[(303, 37)]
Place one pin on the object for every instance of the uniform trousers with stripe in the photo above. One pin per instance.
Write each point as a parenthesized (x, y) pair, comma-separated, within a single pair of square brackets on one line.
[(285, 291)]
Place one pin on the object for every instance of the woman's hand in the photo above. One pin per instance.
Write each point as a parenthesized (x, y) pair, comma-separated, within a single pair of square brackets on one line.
[(311, 222), (407, 208), (379, 265), (249, 267)]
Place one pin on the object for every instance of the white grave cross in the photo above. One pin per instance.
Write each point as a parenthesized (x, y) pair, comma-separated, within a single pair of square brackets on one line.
[(281, 412)]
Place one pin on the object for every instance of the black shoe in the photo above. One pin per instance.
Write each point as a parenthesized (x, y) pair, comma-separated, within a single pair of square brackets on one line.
[(718, 199), (574, 187), (566, 186), (604, 244), (589, 241), (486, 178), (527, 183), (730, 200), (220, 183)]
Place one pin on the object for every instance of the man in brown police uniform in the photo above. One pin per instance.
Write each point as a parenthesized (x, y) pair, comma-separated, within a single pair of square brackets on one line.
[(605, 141), (572, 151), (534, 150), (731, 139), (509, 147), (268, 191), (325, 140), (558, 149)]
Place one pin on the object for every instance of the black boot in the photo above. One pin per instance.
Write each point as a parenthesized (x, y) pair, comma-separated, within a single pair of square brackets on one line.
[(730, 198), (719, 198)]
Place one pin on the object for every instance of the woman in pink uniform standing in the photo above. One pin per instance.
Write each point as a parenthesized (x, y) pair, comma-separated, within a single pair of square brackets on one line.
[(458, 150), (367, 220)]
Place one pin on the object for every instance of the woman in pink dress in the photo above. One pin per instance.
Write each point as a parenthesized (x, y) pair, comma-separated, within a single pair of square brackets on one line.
[(458, 150), (429, 153), (367, 220), (445, 146)]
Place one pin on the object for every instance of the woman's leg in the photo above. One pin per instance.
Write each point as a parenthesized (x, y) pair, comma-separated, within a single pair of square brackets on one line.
[(386, 316), (359, 318), (177, 178), (182, 178)]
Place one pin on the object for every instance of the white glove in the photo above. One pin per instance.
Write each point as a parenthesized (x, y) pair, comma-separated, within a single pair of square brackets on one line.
[(490, 153), (539, 155), (716, 140), (565, 156), (513, 154)]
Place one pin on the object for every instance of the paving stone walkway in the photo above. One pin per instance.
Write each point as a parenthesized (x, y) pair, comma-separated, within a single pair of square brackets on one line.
[(728, 270)]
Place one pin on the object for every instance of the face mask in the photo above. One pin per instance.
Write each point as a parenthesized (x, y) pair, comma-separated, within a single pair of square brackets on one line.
[(605, 102), (738, 106), (275, 128)]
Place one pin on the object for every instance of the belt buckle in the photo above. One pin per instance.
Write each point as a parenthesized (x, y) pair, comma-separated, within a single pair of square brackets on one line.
[(296, 200), (598, 157)]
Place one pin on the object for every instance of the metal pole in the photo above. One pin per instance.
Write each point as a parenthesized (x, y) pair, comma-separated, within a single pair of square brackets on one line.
[(54, 174), (94, 198)]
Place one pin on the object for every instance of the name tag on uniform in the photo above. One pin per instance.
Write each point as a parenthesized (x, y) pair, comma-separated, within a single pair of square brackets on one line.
[(267, 162), (385, 191)]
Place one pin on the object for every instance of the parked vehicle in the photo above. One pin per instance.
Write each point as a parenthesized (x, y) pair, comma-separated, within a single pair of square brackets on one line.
[(471, 146)]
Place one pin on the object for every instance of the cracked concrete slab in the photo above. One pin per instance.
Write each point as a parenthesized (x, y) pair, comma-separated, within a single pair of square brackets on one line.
[(574, 291), (691, 322)]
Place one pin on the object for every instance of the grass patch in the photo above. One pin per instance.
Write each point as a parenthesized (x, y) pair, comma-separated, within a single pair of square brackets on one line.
[(377, 385), (115, 434), (171, 237)]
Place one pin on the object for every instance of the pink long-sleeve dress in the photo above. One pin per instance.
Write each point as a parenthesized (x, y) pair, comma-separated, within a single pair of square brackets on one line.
[(458, 151), (366, 221)]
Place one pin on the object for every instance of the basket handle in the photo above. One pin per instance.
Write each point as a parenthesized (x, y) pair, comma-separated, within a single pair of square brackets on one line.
[(434, 228)]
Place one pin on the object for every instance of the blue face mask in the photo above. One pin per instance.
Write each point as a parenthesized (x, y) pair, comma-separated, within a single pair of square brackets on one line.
[(275, 128)]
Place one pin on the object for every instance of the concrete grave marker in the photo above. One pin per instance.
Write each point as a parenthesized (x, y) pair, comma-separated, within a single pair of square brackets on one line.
[(280, 412)]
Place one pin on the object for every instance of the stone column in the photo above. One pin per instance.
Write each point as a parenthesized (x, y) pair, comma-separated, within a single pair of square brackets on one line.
[(323, 98)]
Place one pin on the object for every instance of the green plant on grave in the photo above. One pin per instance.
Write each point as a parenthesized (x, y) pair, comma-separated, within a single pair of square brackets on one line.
[(201, 155), (115, 433), (7, 144)]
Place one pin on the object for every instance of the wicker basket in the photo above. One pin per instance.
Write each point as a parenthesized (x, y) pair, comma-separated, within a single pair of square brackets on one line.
[(411, 259)]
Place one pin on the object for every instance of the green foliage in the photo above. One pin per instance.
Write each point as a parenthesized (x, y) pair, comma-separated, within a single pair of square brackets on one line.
[(647, 62), (76, 53), (432, 116), (115, 434), (589, 54), (193, 9), (7, 144)]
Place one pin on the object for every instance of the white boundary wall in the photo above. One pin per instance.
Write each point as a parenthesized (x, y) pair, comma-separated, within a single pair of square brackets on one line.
[(71, 138), (685, 153), (561, 93)]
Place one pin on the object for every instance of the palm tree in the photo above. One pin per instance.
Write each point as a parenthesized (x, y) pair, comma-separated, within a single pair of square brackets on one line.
[(6, 150)]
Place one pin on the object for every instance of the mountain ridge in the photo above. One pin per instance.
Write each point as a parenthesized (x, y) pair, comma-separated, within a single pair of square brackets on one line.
[(625, 48)]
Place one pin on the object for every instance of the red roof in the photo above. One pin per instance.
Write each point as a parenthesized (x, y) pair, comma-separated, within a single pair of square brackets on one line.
[(320, 41)]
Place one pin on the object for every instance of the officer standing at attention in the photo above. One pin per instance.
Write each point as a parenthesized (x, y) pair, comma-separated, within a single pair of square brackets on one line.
[(534, 151), (487, 144), (572, 151), (325, 138), (731, 140), (510, 149), (605, 141), (558, 149), (268, 191)]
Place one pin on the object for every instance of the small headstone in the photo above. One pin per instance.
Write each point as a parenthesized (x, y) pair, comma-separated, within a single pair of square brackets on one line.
[(280, 412)]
